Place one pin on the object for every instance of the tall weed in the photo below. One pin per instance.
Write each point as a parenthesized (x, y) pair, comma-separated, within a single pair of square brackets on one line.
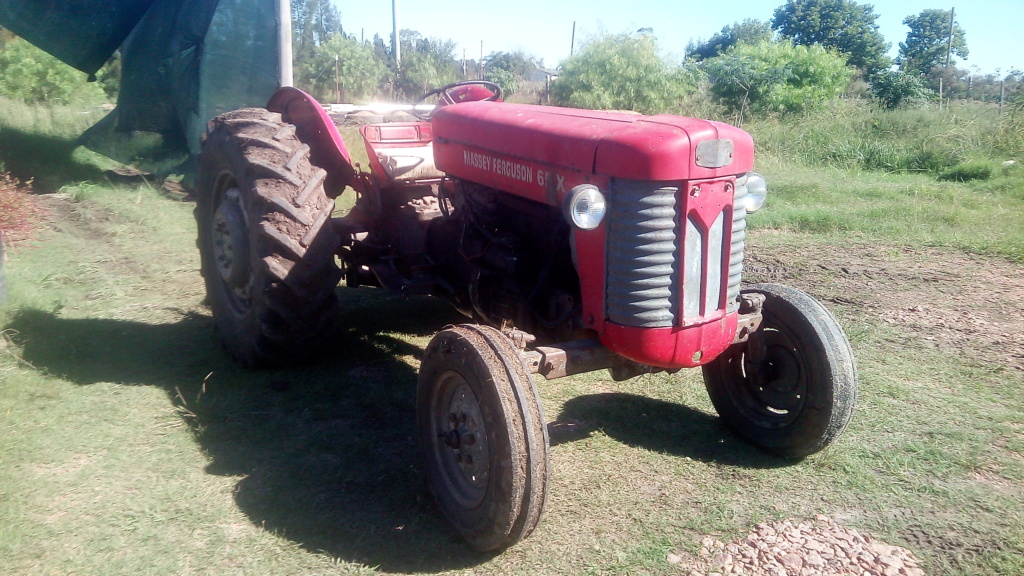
[(853, 134)]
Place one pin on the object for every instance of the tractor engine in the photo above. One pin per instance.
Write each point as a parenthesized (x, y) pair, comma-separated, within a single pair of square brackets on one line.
[(506, 261)]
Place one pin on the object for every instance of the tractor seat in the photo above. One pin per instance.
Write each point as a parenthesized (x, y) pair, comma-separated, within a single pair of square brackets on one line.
[(408, 162)]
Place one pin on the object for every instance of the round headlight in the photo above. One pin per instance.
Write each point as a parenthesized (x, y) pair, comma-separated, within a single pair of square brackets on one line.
[(757, 192), (585, 207)]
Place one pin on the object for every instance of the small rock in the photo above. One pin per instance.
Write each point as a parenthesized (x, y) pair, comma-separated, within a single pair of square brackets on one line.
[(674, 559), (792, 562)]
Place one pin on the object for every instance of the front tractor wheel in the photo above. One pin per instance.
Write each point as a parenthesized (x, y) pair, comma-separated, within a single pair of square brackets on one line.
[(795, 394), (483, 435), (265, 239)]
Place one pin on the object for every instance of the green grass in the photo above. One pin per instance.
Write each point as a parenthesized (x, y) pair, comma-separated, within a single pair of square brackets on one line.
[(852, 134), (130, 444), (908, 209)]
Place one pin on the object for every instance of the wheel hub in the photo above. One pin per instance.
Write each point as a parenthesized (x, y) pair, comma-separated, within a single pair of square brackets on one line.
[(231, 242), (462, 442)]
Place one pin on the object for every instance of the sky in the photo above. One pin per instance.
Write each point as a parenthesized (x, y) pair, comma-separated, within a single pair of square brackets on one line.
[(544, 28)]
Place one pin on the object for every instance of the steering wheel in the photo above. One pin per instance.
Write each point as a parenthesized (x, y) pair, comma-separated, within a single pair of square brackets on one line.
[(446, 97)]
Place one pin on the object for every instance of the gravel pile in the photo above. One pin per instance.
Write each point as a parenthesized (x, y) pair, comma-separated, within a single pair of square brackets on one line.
[(804, 549)]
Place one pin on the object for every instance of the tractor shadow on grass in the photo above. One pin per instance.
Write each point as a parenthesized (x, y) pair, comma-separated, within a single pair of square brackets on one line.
[(659, 426), (47, 160), (325, 453)]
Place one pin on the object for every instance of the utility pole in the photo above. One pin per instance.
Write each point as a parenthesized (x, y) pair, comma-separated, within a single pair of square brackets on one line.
[(572, 43), (481, 60), (337, 82), (284, 42), (396, 44), (949, 41)]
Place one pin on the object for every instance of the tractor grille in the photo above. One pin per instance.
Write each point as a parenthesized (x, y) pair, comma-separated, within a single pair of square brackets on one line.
[(739, 234), (643, 257)]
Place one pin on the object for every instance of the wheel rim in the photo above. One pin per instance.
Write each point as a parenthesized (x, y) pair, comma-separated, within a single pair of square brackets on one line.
[(460, 444), (773, 393), (230, 237)]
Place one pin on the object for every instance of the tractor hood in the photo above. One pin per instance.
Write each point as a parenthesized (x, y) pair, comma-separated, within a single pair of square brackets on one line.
[(611, 144)]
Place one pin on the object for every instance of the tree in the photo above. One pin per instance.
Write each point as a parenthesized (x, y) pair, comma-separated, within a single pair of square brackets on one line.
[(508, 69), (313, 23), (27, 73), (777, 77), (345, 65), (750, 31), (928, 39), (899, 90), (517, 62), (842, 25), (622, 71), (427, 63)]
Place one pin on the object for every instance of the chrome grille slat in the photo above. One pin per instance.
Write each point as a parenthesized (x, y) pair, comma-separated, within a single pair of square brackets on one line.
[(739, 235), (644, 286), (641, 262)]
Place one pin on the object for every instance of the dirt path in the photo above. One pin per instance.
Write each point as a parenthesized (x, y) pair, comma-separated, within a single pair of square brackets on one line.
[(964, 304)]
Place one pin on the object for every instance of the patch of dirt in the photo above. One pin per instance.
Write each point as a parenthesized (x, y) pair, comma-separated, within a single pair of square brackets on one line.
[(21, 212), (960, 303), (822, 547)]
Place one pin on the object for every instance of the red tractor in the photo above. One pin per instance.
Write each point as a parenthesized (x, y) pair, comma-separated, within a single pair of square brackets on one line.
[(573, 240)]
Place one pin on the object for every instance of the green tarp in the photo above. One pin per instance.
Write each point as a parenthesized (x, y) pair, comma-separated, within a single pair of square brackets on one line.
[(183, 61)]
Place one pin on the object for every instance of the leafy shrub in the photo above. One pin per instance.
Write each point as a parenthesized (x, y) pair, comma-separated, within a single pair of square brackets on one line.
[(623, 72), (344, 64), (899, 90), (31, 75), (504, 78), (427, 63), (967, 172), (777, 77)]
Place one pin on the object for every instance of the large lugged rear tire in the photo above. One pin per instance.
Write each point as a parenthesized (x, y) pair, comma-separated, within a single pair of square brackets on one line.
[(483, 436), (265, 239), (799, 399)]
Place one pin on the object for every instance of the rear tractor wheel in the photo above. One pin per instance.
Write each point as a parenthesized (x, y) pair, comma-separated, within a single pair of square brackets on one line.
[(483, 435), (265, 239), (795, 395)]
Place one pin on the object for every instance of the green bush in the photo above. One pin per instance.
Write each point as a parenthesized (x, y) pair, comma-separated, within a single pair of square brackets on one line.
[(345, 65), (777, 77), (506, 79), (967, 172), (899, 90), (622, 72), (31, 75)]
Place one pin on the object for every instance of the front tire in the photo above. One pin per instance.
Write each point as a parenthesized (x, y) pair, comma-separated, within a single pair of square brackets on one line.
[(483, 435), (800, 398), (265, 239)]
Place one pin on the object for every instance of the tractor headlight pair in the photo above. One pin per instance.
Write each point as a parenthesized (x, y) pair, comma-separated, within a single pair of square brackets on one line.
[(753, 190), (585, 207)]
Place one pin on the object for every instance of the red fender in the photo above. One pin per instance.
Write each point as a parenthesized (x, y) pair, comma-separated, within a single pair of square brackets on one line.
[(315, 128)]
